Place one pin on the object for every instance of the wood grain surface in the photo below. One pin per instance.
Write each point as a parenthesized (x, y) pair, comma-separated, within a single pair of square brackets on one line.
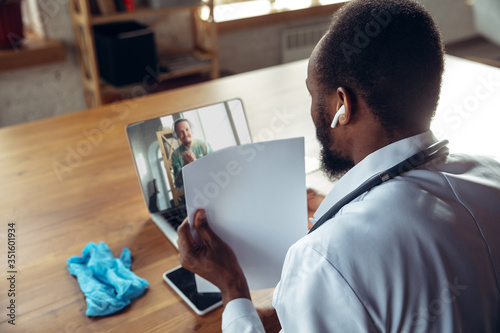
[(70, 180)]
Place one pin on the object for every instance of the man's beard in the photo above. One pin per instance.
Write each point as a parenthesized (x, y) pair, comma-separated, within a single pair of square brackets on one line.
[(187, 143), (334, 165)]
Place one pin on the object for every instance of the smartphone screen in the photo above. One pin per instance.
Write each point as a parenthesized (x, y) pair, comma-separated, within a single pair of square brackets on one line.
[(185, 283)]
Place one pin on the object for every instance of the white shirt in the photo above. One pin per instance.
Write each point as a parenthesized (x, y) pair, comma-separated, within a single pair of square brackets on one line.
[(419, 253)]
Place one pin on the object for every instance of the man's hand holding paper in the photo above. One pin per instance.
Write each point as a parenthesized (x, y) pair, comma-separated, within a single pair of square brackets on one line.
[(211, 258), (254, 198)]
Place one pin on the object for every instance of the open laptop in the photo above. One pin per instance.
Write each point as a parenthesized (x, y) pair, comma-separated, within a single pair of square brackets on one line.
[(158, 158)]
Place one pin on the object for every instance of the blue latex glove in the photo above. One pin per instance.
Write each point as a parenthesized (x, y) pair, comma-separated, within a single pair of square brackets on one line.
[(107, 283)]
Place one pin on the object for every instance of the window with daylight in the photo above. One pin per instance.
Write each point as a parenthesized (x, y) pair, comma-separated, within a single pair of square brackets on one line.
[(226, 10)]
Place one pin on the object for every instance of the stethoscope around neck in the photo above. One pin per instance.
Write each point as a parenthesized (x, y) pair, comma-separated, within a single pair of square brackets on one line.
[(434, 151)]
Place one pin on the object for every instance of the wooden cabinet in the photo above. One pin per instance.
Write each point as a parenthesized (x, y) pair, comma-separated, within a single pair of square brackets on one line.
[(202, 57)]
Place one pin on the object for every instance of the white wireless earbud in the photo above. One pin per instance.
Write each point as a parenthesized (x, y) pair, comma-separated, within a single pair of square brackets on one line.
[(337, 115)]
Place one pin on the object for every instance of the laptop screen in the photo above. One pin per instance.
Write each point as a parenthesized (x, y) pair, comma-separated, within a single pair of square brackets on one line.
[(163, 145)]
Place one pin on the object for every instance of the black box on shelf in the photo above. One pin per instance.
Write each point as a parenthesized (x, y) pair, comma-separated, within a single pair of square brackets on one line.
[(125, 51)]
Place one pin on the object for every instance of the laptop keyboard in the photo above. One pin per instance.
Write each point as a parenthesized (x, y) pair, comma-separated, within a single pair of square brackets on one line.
[(175, 216)]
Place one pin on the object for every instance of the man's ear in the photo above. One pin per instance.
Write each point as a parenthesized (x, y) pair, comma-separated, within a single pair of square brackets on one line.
[(340, 113), (345, 99)]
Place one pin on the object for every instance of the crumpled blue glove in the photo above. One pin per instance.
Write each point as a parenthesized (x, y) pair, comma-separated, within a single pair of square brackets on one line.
[(107, 283)]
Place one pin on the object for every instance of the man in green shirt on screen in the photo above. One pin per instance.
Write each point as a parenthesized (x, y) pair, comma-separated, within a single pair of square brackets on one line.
[(190, 149)]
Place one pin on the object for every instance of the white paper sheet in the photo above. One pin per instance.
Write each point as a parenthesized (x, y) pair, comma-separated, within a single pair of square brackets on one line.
[(255, 200)]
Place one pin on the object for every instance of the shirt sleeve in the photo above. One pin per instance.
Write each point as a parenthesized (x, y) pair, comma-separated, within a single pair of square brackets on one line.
[(313, 296), (240, 316), (176, 163), (177, 168), (205, 147)]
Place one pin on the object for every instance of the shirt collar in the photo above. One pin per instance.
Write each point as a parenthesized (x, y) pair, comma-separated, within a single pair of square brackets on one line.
[(377, 162)]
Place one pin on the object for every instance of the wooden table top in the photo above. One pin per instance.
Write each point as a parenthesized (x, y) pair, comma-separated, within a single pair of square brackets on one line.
[(70, 180)]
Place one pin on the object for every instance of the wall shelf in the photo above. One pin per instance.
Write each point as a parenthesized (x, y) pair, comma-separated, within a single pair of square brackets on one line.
[(32, 52), (204, 50), (140, 12)]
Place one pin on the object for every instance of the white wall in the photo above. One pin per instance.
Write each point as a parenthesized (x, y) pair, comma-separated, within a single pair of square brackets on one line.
[(454, 18), (261, 46), (46, 91), (487, 19)]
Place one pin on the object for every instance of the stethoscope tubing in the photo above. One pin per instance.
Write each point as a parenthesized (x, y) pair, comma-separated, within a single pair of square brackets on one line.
[(434, 151)]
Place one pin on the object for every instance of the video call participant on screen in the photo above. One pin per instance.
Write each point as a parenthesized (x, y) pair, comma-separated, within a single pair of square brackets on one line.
[(418, 253), (190, 149)]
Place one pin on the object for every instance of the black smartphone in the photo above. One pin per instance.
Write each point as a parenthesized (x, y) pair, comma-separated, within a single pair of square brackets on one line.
[(183, 283)]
